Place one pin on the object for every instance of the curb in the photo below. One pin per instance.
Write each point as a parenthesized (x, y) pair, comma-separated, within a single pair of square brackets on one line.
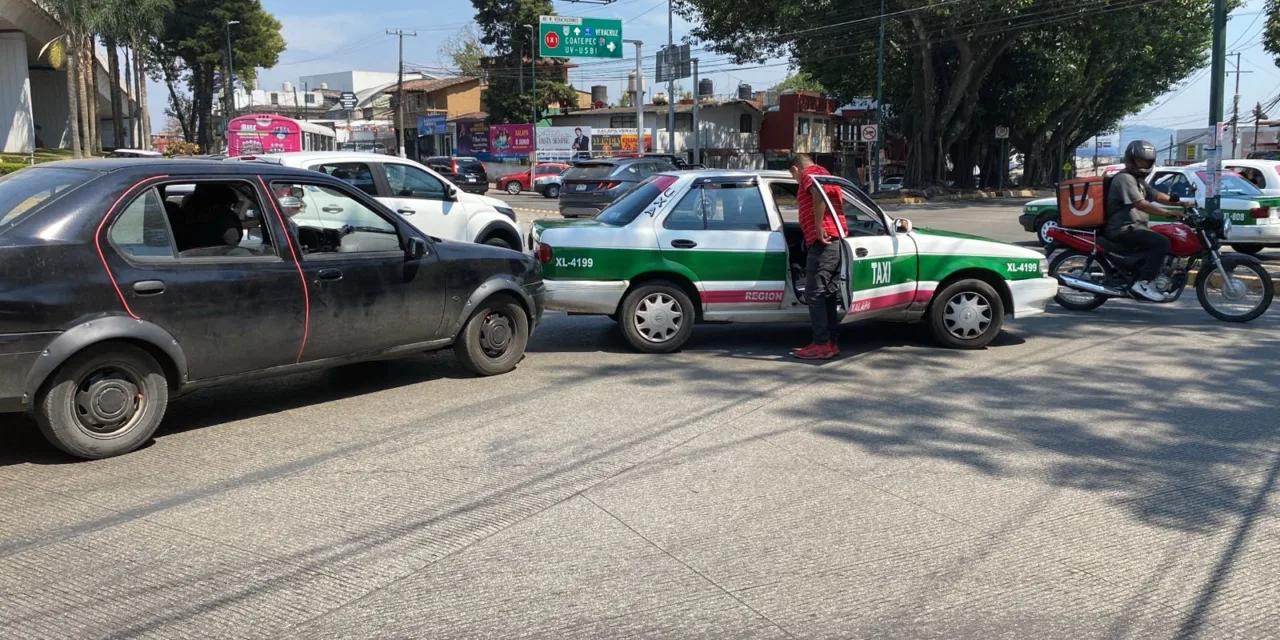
[(977, 195)]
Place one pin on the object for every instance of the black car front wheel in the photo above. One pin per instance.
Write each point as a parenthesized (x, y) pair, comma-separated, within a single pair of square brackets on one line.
[(493, 340), (105, 401)]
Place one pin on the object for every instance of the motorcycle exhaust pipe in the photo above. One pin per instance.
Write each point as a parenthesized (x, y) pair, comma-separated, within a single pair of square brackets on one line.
[(1076, 283)]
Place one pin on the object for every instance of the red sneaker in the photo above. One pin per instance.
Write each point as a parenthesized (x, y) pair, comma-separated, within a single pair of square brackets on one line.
[(833, 348), (814, 352)]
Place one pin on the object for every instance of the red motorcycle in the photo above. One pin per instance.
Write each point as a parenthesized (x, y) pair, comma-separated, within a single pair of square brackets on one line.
[(1232, 287)]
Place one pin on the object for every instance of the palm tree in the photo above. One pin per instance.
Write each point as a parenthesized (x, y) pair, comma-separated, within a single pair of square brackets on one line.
[(146, 22), (65, 50)]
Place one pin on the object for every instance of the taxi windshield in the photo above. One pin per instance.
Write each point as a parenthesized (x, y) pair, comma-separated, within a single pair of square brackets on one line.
[(633, 201)]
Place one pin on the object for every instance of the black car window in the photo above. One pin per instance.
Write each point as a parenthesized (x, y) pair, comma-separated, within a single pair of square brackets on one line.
[(26, 190), (141, 230), (357, 173), (215, 219), (590, 171), (327, 221), (469, 165), (636, 200), (734, 206), (411, 182)]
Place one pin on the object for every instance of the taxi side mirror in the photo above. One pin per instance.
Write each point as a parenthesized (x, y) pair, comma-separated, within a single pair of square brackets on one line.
[(903, 225)]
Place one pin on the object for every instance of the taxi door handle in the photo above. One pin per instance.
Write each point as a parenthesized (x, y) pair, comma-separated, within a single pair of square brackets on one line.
[(681, 243), (861, 252)]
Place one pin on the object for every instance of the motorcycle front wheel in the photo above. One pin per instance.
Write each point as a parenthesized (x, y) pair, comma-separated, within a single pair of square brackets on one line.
[(1240, 295), (1072, 263)]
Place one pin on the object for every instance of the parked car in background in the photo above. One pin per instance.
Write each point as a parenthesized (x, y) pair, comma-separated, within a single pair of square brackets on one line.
[(134, 153), (892, 183), (1263, 174), (465, 172), (426, 199), (589, 186), (514, 183), (130, 281), (550, 186)]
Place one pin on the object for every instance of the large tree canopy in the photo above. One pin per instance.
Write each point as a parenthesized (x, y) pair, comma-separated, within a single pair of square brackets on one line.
[(1056, 72), (504, 32)]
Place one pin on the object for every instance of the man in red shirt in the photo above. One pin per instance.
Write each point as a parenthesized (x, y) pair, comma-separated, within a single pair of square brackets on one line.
[(822, 232)]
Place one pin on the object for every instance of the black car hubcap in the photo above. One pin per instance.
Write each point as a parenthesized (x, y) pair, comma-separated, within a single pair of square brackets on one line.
[(107, 400), (496, 334)]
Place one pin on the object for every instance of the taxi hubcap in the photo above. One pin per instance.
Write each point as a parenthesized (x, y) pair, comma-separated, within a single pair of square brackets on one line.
[(658, 317), (967, 315)]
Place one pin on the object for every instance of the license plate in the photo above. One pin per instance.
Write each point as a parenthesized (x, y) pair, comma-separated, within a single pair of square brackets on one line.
[(582, 187), (471, 178)]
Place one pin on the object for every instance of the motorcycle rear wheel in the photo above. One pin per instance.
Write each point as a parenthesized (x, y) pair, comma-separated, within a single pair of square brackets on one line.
[(1248, 273), (1073, 299)]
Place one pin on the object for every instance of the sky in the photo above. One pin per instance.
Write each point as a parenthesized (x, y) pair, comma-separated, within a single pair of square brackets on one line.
[(337, 35)]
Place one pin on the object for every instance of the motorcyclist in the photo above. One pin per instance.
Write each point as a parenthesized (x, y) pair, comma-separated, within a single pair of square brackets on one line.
[(1130, 202)]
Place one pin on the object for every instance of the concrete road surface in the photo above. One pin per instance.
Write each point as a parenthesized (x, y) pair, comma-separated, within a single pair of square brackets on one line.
[(1103, 475)]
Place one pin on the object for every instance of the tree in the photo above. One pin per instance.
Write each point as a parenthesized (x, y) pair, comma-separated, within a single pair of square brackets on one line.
[(799, 81), (193, 45), (1271, 31), (504, 28), (76, 18), (465, 52)]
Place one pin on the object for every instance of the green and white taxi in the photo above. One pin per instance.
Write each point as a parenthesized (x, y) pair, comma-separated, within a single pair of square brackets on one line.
[(1255, 216), (725, 246)]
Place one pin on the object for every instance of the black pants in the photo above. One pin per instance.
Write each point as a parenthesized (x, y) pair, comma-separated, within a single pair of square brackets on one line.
[(1153, 247), (822, 288)]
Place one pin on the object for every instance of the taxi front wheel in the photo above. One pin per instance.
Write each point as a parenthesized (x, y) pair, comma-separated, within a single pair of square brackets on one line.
[(657, 317), (967, 314)]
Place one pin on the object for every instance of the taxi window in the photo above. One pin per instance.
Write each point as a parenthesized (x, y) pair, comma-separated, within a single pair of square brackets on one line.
[(635, 201), (733, 206)]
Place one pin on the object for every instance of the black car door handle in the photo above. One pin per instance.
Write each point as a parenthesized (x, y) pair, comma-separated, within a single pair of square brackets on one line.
[(405, 211), (860, 252), (148, 287), (681, 243), (329, 274), (331, 209)]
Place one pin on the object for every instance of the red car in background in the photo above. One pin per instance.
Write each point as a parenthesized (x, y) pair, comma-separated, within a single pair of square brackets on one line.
[(516, 182)]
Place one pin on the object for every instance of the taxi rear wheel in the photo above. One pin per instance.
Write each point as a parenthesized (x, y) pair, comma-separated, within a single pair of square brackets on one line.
[(657, 317), (967, 314)]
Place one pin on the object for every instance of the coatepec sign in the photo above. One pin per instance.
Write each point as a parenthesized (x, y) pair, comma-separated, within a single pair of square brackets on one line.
[(567, 37)]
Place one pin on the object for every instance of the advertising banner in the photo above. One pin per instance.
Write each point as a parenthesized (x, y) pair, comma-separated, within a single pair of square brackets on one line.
[(473, 138), (431, 125), (563, 143), (263, 133), (510, 140), (606, 143)]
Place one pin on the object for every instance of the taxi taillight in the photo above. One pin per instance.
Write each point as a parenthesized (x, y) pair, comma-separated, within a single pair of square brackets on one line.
[(544, 253), (1260, 212)]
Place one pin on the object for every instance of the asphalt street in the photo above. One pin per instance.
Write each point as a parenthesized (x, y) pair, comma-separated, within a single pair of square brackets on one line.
[(1110, 474)]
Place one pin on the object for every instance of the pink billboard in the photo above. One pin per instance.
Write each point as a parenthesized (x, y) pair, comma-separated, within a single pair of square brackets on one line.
[(263, 133), (510, 140)]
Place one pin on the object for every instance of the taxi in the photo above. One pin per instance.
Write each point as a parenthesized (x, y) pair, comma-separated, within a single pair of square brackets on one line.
[(1255, 216), (726, 246)]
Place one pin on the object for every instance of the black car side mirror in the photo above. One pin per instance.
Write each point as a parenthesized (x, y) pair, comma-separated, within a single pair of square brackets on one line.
[(415, 248)]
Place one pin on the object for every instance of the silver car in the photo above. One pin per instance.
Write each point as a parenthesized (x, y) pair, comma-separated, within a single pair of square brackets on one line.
[(590, 186)]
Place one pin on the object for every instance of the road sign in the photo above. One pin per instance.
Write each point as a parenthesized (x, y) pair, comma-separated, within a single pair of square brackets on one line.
[(568, 37), (347, 100), (1002, 132), (673, 63), (869, 132)]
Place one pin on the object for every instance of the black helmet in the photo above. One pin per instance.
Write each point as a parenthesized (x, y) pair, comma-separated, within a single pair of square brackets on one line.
[(1139, 158)]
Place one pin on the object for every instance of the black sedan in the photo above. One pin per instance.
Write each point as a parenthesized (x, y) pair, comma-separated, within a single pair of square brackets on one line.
[(128, 281)]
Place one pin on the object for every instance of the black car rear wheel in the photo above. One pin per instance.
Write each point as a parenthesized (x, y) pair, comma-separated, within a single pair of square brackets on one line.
[(493, 340), (105, 401)]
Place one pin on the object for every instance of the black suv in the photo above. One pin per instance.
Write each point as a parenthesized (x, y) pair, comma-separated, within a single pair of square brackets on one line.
[(589, 186), (128, 281), (464, 172)]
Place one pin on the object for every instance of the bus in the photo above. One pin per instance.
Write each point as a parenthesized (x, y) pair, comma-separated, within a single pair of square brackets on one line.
[(261, 133)]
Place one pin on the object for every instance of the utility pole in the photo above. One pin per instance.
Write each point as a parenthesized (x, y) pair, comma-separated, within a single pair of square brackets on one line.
[(1213, 201), (1171, 148), (1235, 108), (400, 33), (638, 96), (228, 83), (1257, 120), (533, 75), (697, 131), (671, 88), (306, 117), (875, 153)]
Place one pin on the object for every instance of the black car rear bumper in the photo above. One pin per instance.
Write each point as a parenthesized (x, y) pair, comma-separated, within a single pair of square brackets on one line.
[(18, 355)]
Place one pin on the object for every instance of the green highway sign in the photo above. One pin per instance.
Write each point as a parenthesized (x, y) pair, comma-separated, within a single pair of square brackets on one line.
[(566, 37)]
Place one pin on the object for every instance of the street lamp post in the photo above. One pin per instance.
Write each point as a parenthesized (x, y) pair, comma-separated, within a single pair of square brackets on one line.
[(1216, 82)]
